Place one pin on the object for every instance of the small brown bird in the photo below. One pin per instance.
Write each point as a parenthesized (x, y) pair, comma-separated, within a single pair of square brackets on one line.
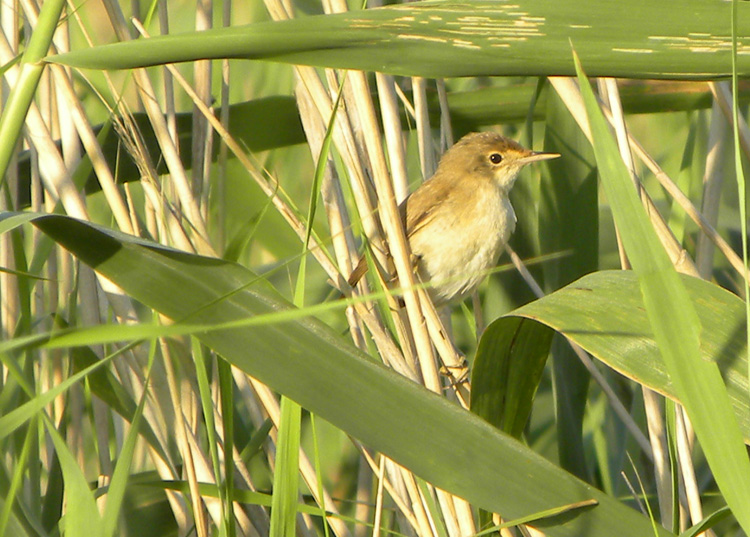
[(458, 222)]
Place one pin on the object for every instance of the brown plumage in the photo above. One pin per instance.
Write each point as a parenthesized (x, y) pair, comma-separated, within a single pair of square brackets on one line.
[(458, 222)]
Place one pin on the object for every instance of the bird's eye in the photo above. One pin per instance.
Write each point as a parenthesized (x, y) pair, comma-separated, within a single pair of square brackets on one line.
[(496, 158)]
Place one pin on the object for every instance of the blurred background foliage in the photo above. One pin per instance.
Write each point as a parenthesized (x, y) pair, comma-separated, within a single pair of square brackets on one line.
[(63, 448)]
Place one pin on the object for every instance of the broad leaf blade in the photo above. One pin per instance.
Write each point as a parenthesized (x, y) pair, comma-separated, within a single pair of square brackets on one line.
[(639, 38), (603, 313), (307, 361), (506, 372), (674, 320)]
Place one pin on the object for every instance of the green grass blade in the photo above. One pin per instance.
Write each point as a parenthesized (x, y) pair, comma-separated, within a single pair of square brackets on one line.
[(22, 93), (207, 405), (286, 473), (506, 373), (119, 481), (20, 462), (739, 170), (604, 313), (305, 359), (676, 325), (81, 514), (226, 388), (18, 416), (438, 39), (707, 523)]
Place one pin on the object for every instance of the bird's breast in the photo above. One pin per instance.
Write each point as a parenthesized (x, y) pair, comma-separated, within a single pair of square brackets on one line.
[(462, 243)]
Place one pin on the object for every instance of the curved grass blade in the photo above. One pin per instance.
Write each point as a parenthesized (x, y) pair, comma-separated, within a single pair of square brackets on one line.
[(674, 320), (440, 39), (310, 363)]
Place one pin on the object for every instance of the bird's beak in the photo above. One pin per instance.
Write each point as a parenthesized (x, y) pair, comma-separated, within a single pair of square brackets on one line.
[(534, 156)]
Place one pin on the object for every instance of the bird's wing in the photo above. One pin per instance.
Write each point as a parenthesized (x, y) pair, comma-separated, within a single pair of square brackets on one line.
[(419, 208), (416, 212)]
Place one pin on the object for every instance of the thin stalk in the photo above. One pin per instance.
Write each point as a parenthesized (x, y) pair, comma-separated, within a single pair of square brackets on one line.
[(424, 134), (94, 151), (740, 172), (271, 405), (379, 500), (688, 472), (172, 158), (226, 21), (202, 139), (571, 96), (654, 417), (712, 182), (333, 199), (396, 490), (22, 92), (181, 435), (394, 134)]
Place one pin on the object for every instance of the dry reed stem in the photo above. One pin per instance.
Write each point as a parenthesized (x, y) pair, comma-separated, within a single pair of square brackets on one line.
[(271, 405), (379, 335), (614, 401), (713, 177), (393, 226), (689, 479), (94, 151), (132, 378), (393, 134), (380, 474), (181, 428), (425, 524), (391, 220), (333, 200), (654, 417), (424, 131), (571, 96), (378, 500), (305, 466), (204, 474), (344, 140), (612, 100), (657, 433), (53, 171), (343, 126), (170, 153), (297, 225), (82, 125), (397, 158)]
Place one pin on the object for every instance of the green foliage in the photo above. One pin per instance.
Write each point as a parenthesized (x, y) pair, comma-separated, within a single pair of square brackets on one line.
[(90, 372)]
